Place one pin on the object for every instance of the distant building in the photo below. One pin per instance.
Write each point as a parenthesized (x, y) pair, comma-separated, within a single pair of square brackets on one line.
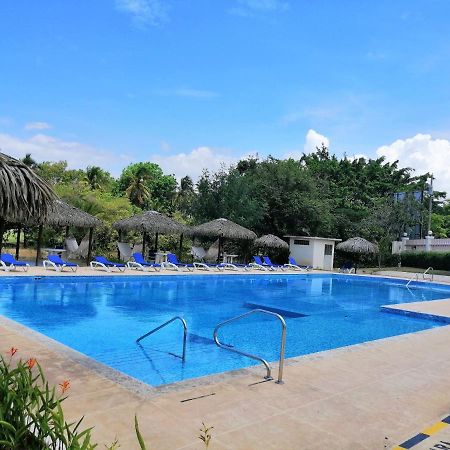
[(317, 252)]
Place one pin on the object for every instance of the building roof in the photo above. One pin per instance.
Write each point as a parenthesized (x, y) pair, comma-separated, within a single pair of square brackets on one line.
[(314, 238)]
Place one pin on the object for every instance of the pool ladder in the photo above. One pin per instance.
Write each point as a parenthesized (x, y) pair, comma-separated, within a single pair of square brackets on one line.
[(183, 322), (249, 355), (430, 271)]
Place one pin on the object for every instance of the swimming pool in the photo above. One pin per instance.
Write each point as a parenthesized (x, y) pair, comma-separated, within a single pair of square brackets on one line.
[(103, 316)]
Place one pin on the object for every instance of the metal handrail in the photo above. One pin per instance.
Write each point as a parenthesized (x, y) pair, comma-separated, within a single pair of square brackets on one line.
[(249, 355), (416, 276), (432, 273), (183, 357)]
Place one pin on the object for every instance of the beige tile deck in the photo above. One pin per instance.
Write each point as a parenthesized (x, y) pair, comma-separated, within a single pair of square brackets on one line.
[(367, 396)]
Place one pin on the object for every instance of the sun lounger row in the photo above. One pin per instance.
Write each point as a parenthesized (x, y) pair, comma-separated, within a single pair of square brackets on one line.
[(55, 262)]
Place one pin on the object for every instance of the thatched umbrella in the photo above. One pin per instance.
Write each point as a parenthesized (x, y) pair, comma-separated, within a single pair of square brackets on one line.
[(270, 240), (63, 215), (357, 246), (23, 195), (223, 229), (151, 222)]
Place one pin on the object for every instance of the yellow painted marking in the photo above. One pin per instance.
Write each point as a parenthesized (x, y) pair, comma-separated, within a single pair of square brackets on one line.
[(435, 428), (398, 448)]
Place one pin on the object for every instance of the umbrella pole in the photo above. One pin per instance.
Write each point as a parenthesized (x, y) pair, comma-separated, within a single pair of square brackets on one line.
[(39, 242), (67, 232), (19, 229), (156, 242), (2, 231), (181, 242), (91, 235), (144, 238), (120, 240), (219, 250)]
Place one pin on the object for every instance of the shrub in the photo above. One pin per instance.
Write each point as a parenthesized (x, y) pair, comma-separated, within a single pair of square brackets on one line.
[(31, 416), (423, 260)]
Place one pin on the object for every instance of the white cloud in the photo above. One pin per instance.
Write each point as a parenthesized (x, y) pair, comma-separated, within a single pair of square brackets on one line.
[(194, 162), (145, 12), (77, 154), (424, 154), (314, 139), (250, 8), (37, 126)]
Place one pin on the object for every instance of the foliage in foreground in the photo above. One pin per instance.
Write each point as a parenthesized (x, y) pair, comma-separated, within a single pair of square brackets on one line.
[(31, 416)]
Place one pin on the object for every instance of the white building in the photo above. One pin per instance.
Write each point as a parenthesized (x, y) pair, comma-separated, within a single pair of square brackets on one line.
[(317, 252)]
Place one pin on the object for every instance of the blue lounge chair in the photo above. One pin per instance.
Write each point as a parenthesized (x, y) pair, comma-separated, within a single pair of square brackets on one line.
[(140, 263), (294, 266), (173, 263), (100, 262), (55, 262), (258, 263), (8, 262), (271, 265)]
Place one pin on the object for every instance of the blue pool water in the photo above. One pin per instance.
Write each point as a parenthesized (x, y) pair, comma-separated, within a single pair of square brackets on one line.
[(102, 316)]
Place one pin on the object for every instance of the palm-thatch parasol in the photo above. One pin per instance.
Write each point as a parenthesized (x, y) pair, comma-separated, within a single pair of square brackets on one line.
[(223, 228), (23, 194), (270, 240), (63, 215), (151, 222), (357, 246)]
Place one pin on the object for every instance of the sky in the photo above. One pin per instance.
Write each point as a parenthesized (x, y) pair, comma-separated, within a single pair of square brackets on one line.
[(194, 84)]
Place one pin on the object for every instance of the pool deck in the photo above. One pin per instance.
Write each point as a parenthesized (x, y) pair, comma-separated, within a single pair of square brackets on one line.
[(374, 395)]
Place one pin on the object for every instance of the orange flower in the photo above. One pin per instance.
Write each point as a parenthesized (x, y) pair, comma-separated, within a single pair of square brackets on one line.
[(12, 351), (31, 362), (65, 385)]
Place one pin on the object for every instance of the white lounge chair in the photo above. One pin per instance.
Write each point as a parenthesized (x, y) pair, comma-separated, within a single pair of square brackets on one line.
[(55, 262), (100, 262), (8, 262), (294, 266), (257, 264), (236, 266), (140, 263)]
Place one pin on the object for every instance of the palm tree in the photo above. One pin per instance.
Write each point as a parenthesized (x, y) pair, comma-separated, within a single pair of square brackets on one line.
[(138, 192), (96, 177)]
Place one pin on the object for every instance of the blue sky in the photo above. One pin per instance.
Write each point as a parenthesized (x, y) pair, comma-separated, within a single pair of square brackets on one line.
[(192, 83)]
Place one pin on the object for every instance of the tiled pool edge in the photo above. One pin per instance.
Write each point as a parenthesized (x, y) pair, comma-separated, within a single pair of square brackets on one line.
[(417, 314)]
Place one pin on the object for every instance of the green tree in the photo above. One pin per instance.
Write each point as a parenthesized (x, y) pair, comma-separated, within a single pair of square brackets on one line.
[(97, 178), (147, 186), (29, 161)]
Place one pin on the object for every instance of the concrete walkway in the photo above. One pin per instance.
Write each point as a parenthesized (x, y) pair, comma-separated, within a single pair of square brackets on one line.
[(367, 396)]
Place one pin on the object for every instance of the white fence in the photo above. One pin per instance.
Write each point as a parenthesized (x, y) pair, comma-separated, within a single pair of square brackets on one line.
[(418, 245)]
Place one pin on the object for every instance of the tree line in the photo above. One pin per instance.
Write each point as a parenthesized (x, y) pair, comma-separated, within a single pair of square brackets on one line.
[(318, 194)]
